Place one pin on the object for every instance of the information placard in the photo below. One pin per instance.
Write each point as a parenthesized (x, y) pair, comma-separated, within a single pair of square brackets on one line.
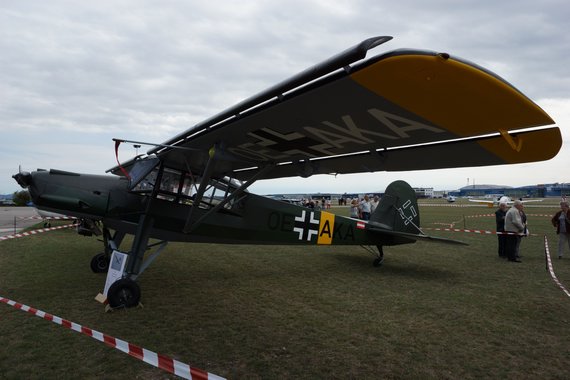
[(116, 268)]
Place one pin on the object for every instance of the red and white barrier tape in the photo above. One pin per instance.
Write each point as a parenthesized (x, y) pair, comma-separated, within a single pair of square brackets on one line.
[(157, 360), (477, 205), (445, 224), (446, 205), (551, 268), (35, 232), (47, 218), (482, 232), (490, 215)]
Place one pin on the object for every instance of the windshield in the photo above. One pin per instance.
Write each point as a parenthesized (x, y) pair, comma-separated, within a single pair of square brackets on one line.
[(176, 186)]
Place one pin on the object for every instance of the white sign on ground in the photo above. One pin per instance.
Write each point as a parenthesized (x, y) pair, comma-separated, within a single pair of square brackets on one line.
[(116, 268)]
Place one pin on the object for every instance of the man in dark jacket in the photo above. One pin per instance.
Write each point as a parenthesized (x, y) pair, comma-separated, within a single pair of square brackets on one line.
[(561, 220), (500, 219)]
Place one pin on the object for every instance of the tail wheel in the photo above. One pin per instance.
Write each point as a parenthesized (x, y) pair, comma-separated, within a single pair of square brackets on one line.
[(124, 293), (378, 262), (100, 263)]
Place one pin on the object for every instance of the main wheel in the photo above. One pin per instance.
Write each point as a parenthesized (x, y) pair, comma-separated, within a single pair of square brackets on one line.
[(100, 263), (124, 293)]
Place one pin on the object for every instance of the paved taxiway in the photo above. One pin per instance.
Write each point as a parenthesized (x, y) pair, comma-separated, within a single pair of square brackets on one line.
[(10, 214)]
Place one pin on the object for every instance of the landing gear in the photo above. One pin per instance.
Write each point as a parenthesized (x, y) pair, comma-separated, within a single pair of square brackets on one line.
[(380, 259), (100, 263), (124, 293)]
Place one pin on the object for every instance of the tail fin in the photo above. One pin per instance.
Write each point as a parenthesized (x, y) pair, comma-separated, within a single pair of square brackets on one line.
[(398, 209)]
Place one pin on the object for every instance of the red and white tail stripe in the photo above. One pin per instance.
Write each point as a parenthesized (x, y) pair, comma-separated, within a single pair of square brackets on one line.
[(157, 360), (551, 268), (35, 232)]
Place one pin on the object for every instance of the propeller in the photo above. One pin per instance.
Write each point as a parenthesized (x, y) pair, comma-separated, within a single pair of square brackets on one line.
[(24, 179)]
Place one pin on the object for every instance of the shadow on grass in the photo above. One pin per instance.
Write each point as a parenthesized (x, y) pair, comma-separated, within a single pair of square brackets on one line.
[(396, 268)]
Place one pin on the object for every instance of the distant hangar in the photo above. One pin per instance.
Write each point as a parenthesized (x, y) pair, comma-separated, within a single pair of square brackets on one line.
[(531, 191)]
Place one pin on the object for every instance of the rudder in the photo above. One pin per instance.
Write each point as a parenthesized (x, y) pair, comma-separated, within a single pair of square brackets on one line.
[(398, 209)]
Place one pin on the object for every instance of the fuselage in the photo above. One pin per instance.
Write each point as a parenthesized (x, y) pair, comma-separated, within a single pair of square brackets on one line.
[(249, 219)]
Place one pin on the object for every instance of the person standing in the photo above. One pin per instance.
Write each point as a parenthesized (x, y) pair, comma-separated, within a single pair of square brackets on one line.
[(524, 234), (374, 203), (561, 220), (514, 225), (317, 206), (500, 220), (354, 212), (365, 208)]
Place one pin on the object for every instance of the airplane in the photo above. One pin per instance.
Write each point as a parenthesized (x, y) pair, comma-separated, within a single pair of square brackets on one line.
[(451, 199), (406, 109), (501, 199)]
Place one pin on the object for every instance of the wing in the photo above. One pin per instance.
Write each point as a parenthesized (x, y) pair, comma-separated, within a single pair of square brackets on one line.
[(402, 110)]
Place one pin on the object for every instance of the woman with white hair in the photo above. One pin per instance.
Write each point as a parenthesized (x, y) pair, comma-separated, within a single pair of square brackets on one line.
[(561, 220), (514, 225)]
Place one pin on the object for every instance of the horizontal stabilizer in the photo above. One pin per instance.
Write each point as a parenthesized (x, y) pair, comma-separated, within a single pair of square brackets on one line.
[(420, 237)]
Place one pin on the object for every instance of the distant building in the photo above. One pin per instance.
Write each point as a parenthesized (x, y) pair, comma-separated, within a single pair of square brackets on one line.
[(440, 194), (6, 199), (530, 191), (319, 196), (424, 192)]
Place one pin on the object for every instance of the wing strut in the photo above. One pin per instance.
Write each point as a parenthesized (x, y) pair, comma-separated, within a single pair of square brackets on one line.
[(202, 189)]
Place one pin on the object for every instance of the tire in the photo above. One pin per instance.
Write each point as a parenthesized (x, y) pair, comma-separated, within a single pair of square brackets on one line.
[(124, 293), (100, 263)]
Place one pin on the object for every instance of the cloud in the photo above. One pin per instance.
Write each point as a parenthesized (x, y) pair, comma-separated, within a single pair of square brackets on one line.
[(73, 76)]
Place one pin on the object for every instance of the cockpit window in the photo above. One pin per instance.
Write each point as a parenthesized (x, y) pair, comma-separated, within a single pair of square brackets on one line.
[(170, 181), (143, 170), (176, 186)]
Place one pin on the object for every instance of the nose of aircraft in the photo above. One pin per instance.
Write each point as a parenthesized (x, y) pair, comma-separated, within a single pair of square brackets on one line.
[(24, 179)]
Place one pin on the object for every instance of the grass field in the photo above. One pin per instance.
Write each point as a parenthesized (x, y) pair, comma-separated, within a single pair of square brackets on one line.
[(273, 312)]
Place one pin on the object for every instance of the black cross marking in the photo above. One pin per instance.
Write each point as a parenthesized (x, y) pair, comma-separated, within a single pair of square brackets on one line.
[(285, 145), (304, 223)]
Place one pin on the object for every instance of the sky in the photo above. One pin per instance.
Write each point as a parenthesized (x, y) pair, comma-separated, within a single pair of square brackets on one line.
[(75, 75)]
